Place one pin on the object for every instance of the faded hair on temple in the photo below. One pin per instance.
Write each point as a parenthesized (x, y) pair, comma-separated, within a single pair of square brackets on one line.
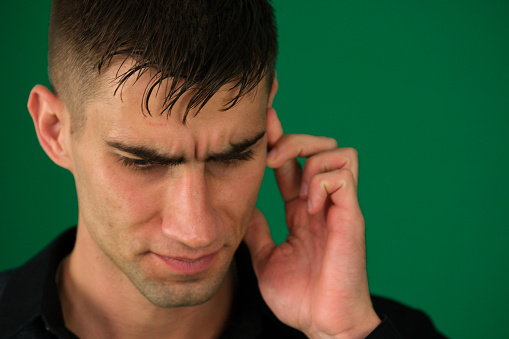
[(196, 45)]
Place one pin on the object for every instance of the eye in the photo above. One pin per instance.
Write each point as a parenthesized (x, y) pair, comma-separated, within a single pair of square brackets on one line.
[(233, 159), (138, 164)]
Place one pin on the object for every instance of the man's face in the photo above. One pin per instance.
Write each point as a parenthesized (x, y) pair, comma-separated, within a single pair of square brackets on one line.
[(168, 203)]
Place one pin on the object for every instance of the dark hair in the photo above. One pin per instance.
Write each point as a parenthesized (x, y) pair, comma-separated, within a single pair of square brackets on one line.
[(199, 45)]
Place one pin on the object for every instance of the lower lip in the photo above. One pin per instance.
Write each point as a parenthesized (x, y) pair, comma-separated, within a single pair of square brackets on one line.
[(189, 267)]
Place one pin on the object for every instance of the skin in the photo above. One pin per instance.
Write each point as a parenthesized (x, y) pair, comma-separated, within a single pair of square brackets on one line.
[(130, 217), (316, 280), (116, 282)]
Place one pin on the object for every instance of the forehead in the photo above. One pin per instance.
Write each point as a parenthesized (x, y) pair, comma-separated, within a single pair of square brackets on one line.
[(119, 113), (119, 77)]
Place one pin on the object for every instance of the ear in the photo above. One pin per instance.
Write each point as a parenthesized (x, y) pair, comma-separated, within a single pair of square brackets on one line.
[(273, 91), (51, 122)]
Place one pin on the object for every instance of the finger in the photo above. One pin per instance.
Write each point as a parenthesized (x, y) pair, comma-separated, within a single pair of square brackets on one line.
[(288, 174), (258, 239), (345, 222), (341, 158), (274, 128), (339, 186), (291, 146), (282, 157)]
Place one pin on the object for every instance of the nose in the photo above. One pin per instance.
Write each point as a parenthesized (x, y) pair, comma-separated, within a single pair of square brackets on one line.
[(189, 217)]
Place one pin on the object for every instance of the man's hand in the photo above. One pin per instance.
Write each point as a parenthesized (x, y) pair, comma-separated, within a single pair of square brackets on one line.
[(316, 280)]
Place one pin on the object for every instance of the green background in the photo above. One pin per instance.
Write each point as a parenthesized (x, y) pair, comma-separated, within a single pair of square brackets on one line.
[(420, 89)]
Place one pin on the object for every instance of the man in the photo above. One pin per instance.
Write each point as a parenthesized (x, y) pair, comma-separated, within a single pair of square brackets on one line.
[(162, 111)]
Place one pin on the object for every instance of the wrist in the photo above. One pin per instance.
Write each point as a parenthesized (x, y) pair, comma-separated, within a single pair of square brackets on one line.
[(358, 330)]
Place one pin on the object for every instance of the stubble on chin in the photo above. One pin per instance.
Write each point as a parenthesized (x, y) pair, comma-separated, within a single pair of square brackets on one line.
[(180, 291)]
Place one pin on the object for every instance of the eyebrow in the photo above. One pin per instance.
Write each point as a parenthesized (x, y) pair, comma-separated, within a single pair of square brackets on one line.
[(146, 153), (236, 148), (153, 156)]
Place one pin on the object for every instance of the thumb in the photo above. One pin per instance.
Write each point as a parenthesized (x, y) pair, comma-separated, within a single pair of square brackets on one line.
[(258, 239)]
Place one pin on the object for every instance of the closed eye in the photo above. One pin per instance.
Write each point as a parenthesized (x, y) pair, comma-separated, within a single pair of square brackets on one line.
[(138, 164), (232, 159)]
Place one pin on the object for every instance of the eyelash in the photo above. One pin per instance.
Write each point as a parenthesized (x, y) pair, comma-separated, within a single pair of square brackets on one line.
[(137, 164), (247, 155), (146, 165)]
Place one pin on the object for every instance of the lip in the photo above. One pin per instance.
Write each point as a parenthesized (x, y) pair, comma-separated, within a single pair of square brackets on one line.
[(188, 266)]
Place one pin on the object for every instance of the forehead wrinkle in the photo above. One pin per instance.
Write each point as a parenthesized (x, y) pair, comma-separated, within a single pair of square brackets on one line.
[(211, 131), (150, 152)]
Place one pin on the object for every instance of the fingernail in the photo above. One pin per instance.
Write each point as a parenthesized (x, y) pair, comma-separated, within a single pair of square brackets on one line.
[(303, 190), (272, 154), (310, 206)]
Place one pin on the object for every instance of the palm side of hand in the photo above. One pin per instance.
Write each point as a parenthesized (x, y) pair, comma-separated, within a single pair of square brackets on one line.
[(316, 280)]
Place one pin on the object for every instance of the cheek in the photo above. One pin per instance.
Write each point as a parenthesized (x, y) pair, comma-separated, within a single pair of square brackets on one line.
[(116, 209), (239, 193), (114, 197), (132, 200)]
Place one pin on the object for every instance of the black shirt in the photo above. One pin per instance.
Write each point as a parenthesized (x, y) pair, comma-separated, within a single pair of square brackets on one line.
[(30, 306)]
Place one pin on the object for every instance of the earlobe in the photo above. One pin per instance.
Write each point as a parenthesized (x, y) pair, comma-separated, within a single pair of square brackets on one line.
[(51, 122)]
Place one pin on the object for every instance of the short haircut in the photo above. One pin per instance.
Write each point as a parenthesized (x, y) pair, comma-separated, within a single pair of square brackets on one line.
[(198, 45)]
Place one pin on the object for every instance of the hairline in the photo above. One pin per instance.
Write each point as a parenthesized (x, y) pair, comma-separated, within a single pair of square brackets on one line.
[(78, 119)]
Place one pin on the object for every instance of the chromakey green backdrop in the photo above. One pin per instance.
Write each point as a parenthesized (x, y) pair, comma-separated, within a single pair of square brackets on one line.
[(419, 88)]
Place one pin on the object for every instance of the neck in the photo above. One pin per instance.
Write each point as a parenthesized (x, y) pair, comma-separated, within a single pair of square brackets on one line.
[(99, 301)]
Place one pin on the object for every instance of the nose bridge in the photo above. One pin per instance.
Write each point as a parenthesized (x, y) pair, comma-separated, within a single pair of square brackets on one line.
[(189, 216)]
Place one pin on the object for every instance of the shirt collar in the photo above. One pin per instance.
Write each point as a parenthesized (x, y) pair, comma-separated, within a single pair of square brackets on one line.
[(246, 321), (32, 292)]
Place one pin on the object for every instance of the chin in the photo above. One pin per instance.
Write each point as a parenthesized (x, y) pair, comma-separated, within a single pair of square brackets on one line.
[(182, 291)]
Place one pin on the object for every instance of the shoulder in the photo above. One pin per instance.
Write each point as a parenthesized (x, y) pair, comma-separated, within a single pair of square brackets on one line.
[(4, 279), (410, 322)]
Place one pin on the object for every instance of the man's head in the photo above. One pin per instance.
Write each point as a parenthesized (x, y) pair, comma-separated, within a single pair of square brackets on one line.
[(200, 45), (162, 205)]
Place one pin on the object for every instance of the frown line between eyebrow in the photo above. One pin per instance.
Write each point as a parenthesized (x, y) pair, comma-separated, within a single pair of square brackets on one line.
[(152, 155)]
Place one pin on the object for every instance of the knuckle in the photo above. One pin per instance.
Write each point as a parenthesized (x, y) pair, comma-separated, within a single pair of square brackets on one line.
[(352, 152), (346, 174), (316, 165), (316, 181), (311, 165), (289, 139), (283, 141)]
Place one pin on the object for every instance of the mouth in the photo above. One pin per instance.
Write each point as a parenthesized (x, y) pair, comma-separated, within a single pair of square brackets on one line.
[(188, 266)]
